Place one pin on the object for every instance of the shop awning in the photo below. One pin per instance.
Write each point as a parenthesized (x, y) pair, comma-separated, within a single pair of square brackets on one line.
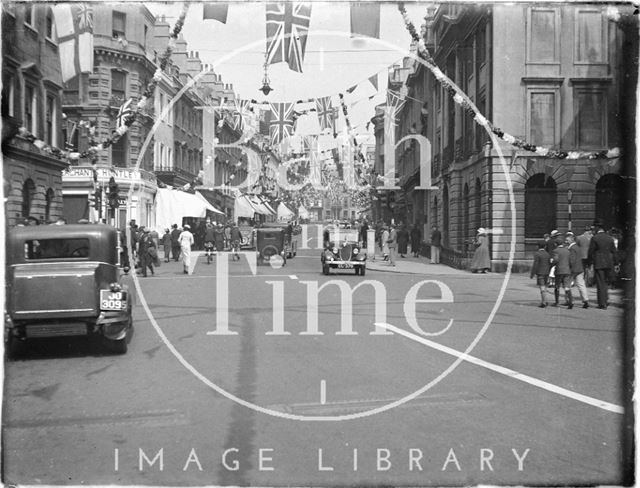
[(284, 213), (172, 205), (243, 208)]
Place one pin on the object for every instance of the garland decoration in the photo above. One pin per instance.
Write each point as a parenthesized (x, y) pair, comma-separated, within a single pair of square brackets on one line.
[(470, 110)]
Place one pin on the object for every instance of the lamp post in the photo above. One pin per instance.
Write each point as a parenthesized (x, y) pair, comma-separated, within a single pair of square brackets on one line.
[(569, 201)]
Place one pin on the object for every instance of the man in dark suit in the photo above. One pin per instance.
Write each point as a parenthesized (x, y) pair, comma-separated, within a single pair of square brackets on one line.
[(602, 253)]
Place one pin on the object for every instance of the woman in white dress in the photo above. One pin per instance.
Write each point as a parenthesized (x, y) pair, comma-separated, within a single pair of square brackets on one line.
[(385, 244), (186, 241)]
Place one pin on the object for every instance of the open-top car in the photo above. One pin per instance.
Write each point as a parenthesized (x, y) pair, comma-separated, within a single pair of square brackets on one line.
[(66, 280), (342, 251)]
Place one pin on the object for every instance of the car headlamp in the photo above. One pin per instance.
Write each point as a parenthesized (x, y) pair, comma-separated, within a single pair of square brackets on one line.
[(356, 250)]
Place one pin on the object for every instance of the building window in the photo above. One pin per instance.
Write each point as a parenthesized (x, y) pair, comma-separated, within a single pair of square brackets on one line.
[(540, 194), (542, 109), (146, 33), (119, 20), (481, 46), (543, 35), (590, 118), (9, 95), (30, 109), (118, 86), (50, 29), (51, 121), (119, 152), (30, 15), (591, 37), (28, 194)]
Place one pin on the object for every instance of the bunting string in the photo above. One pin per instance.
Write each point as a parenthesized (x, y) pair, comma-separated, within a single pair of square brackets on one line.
[(469, 109)]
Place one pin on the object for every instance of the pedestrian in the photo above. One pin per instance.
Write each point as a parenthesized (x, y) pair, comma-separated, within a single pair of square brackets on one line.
[(560, 257), (436, 243), (416, 237), (133, 234), (577, 268), (186, 241), (124, 249), (218, 238), (392, 243), (364, 229), (236, 240), (227, 236), (583, 241), (146, 250), (481, 261), (166, 245), (175, 242), (209, 238), (384, 243), (540, 269), (551, 243), (602, 253), (154, 237), (403, 240)]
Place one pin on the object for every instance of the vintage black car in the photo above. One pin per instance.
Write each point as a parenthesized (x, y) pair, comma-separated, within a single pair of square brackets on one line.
[(290, 237), (270, 244), (66, 280), (342, 251)]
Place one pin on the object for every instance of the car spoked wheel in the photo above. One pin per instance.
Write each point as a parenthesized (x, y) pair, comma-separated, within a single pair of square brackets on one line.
[(268, 252)]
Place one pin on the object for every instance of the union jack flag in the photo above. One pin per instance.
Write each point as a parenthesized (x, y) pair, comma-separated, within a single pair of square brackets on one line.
[(327, 114), (242, 106), (281, 123), (124, 113), (287, 29)]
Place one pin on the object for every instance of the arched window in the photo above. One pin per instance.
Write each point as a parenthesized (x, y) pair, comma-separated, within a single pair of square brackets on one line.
[(49, 196), (445, 216), (28, 193), (539, 205), (609, 201), (477, 206)]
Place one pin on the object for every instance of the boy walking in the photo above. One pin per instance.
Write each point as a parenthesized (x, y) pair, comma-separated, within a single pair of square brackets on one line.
[(540, 269)]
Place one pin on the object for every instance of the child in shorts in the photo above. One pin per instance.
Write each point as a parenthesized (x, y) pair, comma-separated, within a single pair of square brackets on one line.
[(540, 269)]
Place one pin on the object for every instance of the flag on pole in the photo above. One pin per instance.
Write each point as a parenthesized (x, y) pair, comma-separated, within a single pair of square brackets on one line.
[(124, 113), (365, 19), (326, 113), (287, 29), (281, 123), (74, 25), (216, 11)]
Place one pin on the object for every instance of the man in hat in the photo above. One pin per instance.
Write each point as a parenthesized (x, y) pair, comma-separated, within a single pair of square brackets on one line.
[(577, 269), (175, 243), (560, 258), (146, 248), (583, 241), (602, 254), (393, 244)]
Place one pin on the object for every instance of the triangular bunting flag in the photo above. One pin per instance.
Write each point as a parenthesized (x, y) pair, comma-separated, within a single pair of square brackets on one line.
[(374, 80)]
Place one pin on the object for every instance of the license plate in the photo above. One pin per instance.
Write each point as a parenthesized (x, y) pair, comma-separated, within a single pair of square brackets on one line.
[(113, 300), (345, 266)]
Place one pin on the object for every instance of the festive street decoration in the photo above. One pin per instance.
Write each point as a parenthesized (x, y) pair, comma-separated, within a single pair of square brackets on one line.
[(472, 111), (281, 124)]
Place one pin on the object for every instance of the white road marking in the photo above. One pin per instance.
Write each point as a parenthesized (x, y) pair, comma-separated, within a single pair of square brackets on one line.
[(323, 392), (507, 372), (293, 277)]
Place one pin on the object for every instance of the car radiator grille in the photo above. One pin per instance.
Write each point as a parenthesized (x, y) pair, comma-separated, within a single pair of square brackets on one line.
[(345, 253), (56, 329)]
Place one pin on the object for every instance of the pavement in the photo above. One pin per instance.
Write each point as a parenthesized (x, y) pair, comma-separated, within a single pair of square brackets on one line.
[(519, 281)]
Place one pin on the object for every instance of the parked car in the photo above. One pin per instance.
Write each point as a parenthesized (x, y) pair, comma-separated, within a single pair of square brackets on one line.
[(66, 280), (342, 251), (270, 244), (290, 237)]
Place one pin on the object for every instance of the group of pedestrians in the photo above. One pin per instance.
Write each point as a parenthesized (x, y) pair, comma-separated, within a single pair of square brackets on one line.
[(562, 261), (218, 238), (176, 243)]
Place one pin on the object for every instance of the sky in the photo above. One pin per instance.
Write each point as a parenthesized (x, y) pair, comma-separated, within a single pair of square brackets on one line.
[(333, 61)]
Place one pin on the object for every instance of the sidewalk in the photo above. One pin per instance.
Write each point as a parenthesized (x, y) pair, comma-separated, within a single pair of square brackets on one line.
[(412, 265)]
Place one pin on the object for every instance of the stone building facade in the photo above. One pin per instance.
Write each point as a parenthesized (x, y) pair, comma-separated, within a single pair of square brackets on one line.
[(561, 80), (31, 98)]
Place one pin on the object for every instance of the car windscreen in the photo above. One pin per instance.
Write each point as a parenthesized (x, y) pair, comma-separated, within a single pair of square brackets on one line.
[(58, 248)]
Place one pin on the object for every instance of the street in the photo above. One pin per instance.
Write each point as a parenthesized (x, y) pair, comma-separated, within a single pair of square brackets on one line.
[(539, 398)]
